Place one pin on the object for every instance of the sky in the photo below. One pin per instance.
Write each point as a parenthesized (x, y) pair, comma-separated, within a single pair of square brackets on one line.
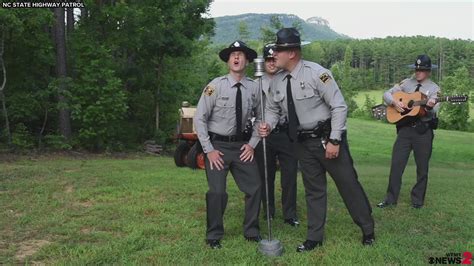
[(369, 19)]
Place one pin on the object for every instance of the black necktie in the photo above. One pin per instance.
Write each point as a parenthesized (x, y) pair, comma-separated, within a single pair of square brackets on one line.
[(418, 87), (238, 110), (293, 121)]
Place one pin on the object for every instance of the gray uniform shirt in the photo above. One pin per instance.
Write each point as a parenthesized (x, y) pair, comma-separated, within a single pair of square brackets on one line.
[(266, 79), (216, 109), (428, 88), (315, 94)]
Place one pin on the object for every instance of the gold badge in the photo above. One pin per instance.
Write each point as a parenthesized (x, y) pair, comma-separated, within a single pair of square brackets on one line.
[(325, 77), (209, 90)]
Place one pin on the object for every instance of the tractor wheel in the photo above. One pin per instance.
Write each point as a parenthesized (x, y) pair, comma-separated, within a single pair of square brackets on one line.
[(181, 154), (196, 158)]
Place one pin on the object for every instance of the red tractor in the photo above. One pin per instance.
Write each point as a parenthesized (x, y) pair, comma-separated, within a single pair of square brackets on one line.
[(189, 151)]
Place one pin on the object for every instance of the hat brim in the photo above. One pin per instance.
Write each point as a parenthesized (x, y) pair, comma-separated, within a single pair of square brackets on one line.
[(284, 46), (250, 54), (433, 66)]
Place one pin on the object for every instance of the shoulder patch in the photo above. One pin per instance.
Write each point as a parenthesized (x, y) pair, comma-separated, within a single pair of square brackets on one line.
[(209, 90), (324, 77)]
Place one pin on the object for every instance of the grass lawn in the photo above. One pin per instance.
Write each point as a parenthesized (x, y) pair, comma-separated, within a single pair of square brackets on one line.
[(144, 210)]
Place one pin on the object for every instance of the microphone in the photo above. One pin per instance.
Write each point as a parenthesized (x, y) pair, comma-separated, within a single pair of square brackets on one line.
[(259, 66)]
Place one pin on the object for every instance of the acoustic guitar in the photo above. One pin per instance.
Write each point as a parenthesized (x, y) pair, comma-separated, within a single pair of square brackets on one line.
[(415, 101)]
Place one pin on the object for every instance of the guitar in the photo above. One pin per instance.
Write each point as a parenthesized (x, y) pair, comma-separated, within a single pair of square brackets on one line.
[(415, 101)]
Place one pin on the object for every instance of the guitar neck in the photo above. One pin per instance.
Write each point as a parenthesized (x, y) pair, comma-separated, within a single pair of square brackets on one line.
[(438, 100)]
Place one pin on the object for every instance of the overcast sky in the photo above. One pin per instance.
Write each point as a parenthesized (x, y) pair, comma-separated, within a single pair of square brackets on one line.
[(369, 19)]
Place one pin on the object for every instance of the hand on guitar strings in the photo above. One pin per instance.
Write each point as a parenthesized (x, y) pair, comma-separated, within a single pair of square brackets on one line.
[(400, 106)]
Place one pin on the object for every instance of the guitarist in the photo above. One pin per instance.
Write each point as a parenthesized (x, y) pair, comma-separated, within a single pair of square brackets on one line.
[(413, 133)]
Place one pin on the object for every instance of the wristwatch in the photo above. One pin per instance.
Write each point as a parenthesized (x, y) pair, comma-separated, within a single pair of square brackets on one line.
[(335, 141)]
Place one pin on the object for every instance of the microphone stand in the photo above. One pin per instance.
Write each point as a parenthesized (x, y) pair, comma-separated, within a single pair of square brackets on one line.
[(270, 246)]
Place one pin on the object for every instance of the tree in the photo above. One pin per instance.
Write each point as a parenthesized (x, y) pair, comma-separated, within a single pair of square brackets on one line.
[(268, 32), (2, 86), (98, 101), (61, 73), (298, 26), (244, 33), (146, 40), (313, 52), (455, 116), (343, 74)]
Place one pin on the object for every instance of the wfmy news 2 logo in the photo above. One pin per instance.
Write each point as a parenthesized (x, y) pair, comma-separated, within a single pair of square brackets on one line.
[(464, 258)]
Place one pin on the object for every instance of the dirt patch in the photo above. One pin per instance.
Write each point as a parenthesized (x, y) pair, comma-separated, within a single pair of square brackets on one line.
[(3, 245), (86, 230), (29, 248), (85, 204), (151, 212), (199, 212), (13, 213), (69, 189)]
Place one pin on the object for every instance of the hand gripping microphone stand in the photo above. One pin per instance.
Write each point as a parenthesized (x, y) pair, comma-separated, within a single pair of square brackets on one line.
[(270, 246)]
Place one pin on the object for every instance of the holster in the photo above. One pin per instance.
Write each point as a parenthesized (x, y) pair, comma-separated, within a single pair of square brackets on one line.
[(322, 130), (247, 134)]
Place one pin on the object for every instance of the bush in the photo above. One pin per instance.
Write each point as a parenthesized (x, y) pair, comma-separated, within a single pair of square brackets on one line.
[(455, 117), (21, 137), (56, 142), (98, 100), (365, 111)]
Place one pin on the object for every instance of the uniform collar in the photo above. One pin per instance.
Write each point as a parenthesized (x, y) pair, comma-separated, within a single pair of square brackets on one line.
[(267, 77), (232, 81), (296, 70), (425, 82)]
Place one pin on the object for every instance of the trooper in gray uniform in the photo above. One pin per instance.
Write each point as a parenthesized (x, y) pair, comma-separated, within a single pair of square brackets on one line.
[(317, 114), (413, 133), (223, 109), (278, 148)]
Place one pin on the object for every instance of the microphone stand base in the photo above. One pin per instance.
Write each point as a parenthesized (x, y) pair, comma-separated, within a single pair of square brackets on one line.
[(271, 248)]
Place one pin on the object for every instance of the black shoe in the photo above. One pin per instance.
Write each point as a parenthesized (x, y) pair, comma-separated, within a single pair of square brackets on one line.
[(385, 204), (417, 206), (253, 238), (309, 245), (368, 240), (293, 222), (214, 243)]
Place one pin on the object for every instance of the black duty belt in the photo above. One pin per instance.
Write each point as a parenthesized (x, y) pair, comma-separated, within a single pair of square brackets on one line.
[(308, 134), (217, 137), (322, 130)]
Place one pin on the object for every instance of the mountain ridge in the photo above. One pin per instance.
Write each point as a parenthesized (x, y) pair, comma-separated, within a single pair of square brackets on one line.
[(312, 29)]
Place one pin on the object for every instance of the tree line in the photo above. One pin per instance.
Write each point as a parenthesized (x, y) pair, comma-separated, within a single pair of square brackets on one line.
[(113, 74)]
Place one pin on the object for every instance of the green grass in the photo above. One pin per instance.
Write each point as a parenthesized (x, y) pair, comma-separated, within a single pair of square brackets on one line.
[(376, 95), (144, 210)]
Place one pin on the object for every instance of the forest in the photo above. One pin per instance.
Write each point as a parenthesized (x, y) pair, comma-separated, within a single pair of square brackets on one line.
[(112, 75)]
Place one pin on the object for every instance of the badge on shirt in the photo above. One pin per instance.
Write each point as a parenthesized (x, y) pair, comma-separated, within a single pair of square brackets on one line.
[(325, 77), (209, 90)]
